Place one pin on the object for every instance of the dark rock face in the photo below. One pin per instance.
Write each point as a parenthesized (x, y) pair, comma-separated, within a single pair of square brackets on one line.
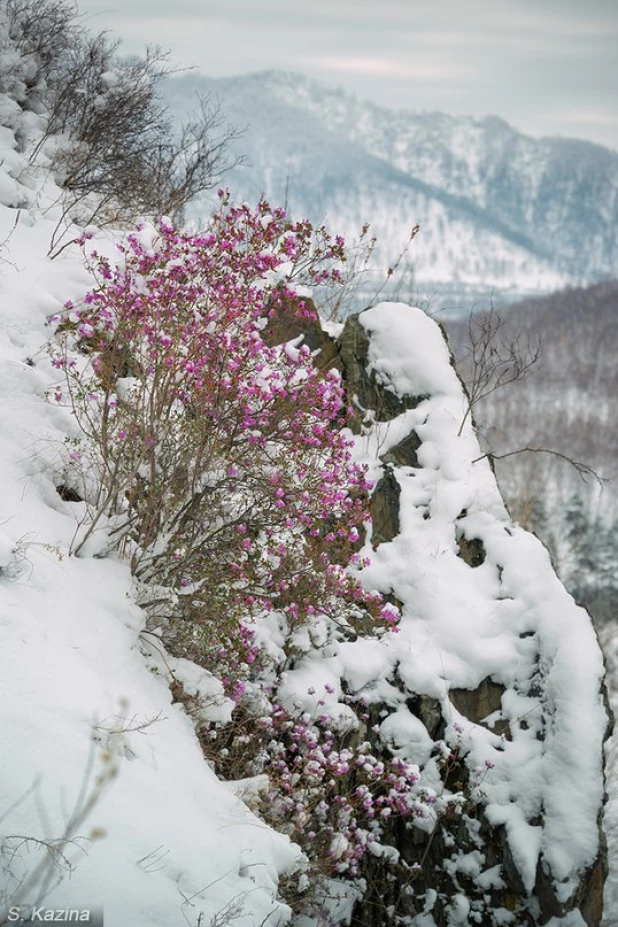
[(428, 883), (364, 391), (404, 453), (471, 552), (478, 704), (385, 509), (286, 323), (591, 905)]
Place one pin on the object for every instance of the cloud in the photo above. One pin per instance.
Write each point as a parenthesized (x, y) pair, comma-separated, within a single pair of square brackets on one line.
[(380, 67), (593, 117)]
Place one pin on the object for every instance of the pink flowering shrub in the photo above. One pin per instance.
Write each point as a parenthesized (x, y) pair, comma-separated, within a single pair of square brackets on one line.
[(219, 458)]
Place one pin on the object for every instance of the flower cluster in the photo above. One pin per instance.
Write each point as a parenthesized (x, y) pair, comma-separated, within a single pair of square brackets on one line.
[(334, 800)]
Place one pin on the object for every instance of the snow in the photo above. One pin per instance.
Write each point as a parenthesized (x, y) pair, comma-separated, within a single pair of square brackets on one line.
[(417, 361), (406, 736), (76, 674)]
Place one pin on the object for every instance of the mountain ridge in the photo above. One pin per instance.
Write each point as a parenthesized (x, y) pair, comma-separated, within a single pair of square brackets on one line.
[(498, 209)]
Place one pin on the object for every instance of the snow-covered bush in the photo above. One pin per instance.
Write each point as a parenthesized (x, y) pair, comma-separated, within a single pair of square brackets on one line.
[(220, 459), (101, 123)]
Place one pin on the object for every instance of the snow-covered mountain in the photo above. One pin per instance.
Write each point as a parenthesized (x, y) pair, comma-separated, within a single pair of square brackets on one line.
[(498, 210)]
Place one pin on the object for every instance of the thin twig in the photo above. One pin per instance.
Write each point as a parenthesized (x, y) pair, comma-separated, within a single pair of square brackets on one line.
[(582, 469)]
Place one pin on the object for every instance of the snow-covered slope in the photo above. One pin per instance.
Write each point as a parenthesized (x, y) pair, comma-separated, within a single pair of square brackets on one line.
[(107, 799), (497, 209)]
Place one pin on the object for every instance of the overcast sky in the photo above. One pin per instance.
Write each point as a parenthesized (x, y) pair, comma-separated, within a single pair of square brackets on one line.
[(550, 67)]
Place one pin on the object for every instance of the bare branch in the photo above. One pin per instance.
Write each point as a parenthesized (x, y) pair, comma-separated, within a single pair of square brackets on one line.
[(397, 262), (4, 243), (583, 470), (492, 362), (30, 884)]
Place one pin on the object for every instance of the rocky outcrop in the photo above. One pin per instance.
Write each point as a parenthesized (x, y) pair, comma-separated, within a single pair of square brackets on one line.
[(493, 684), (367, 393), (508, 686)]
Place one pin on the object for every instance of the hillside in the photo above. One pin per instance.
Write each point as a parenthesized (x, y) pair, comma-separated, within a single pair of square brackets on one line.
[(273, 651), (92, 637), (498, 210)]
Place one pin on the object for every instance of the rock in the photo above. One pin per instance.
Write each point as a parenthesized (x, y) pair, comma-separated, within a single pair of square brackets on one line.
[(364, 392), (432, 877), (477, 704), (385, 509), (404, 453), (471, 552), (286, 323), (471, 861), (429, 712)]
